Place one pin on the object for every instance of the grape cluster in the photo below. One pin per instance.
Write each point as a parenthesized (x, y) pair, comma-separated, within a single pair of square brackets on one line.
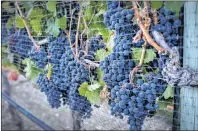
[(39, 56), (4, 34), (74, 74), (53, 94), (75, 8), (20, 43), (138, 100), (119, 63), (168, 25)]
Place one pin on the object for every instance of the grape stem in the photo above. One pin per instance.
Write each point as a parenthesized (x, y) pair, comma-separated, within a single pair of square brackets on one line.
[(145, 33), (155, 19), (77, 32), (137, 37), (26, 26), (147, 22), (69, 33)]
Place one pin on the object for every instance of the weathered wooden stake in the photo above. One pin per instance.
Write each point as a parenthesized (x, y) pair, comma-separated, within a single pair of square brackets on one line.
[(189, 95)]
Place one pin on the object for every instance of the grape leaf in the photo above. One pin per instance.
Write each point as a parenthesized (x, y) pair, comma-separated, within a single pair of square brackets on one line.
[(105, 33), (162, 105), (100, 74), (52, 27), (101, 12), (168, 93), (93, 86), (156, 4), (19, 22), (31, 70), (37, 13), (83, 89), (101, 54), (27, 4), (36, 25), (88, 14), (51, 6), (93, 96), (5, 5), (9, 23), (174, 6), (84, 4), (149, 55), (110, 42), (62, 22)]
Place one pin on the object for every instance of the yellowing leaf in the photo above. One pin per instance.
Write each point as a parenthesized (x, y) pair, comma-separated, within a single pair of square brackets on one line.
[(19, 22), (51, 6), (49, 73), (149, 55)]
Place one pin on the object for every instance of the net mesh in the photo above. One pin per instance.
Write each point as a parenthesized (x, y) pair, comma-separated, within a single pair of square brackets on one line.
[(74, 39)]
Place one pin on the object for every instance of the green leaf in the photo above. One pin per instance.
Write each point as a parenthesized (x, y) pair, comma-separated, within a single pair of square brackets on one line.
[(31, 70), (84, 4), (5, 5), (100, 75), (93, 96), (162, 104), (94, 86), (62, 22), (83, 89), (52, 27), (19, 22), (101, 12), (101, 54), (105, 33), (169, 92), (27, 4), (174, 6), (149, 55), (110, 42), (156, 70), (88, 14), (37, 13), (36, 25), (9, 23), (156, 4), (51, 6)]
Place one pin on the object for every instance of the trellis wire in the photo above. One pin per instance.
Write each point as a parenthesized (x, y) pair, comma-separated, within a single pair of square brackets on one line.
[(176, 113)]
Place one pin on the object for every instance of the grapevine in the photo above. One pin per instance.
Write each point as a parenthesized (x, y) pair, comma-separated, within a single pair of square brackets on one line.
[(78, 67)]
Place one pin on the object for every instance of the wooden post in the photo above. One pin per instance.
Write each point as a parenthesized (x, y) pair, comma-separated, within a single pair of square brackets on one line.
[(189, 95)]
